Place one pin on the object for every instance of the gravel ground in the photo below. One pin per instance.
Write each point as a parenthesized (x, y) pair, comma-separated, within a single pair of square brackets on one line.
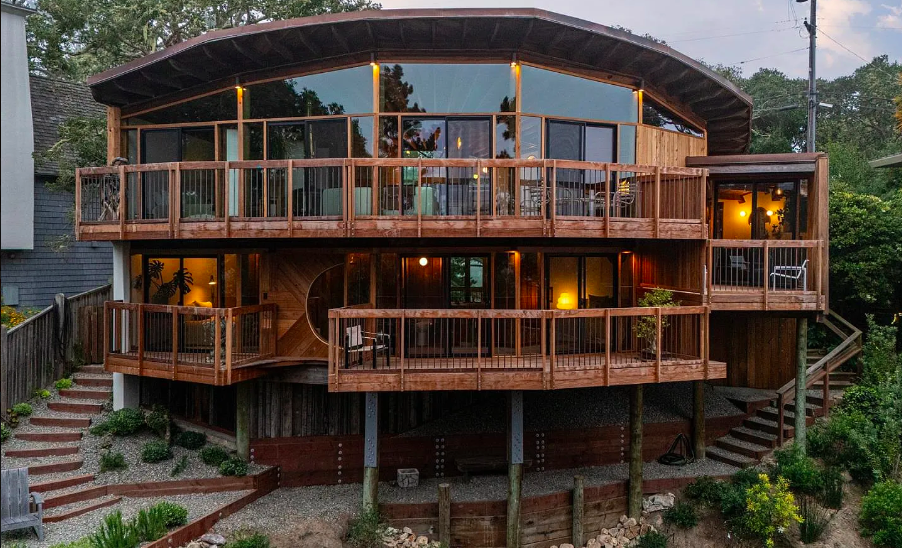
[(582, 408), (742, 393), (86, 524)]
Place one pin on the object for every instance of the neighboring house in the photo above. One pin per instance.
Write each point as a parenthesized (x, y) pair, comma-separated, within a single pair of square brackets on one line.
[(439, 206), (40, 256)]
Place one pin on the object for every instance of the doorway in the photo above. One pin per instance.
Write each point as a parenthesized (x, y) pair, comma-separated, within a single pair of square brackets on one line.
[(579, 283)]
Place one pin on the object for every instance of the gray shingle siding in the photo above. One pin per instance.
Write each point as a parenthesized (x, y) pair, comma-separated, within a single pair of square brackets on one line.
[(43, 272)]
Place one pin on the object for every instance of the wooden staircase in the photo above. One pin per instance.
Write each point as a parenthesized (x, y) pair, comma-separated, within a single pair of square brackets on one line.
[(771, 425)]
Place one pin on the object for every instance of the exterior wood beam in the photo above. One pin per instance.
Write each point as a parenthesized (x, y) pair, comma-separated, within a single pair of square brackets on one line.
[(634, 493), (801, 381), (113, 135)]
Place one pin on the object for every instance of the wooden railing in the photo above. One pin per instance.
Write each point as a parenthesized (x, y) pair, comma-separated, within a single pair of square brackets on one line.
[(766, 274), (820, 370), (516, 349), (208, 345), (390, 196)]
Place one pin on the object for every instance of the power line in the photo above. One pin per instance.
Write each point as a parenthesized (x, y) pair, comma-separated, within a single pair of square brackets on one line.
[(853, 53), (731, 35), (736, 27), (771, 55)]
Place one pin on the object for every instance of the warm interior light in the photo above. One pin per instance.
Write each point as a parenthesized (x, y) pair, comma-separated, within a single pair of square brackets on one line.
[(770, 213), (475, 175), (485, 170), (373, 64), (565, 301), (424, 261), (459, 143), (742, 213), (212, 280), (779, 192)]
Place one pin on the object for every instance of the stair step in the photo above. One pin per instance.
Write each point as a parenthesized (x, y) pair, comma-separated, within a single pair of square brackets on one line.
[(819, 385), (51, 437), (93, 369), (811, 409), (742, 447), (789, 417), (63, 422), (42, 452), (54, 467), (843, 375), (99, 382), (77, 408), (764, 425), (98, 395), (754, 436), (728, 457), (79, 495), (55, 485), (79, 510)]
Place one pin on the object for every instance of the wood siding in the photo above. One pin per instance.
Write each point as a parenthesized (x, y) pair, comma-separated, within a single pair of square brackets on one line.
[(656, 146), (759, 349)]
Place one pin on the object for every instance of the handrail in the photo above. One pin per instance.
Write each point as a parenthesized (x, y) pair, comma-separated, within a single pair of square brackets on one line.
[(821, 369)]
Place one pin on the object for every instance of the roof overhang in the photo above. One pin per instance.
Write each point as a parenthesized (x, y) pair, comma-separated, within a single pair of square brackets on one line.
[(887, 161), (218, 58), (758, 164)]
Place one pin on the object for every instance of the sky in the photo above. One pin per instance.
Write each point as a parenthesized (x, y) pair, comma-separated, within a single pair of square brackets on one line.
[(750, 34)]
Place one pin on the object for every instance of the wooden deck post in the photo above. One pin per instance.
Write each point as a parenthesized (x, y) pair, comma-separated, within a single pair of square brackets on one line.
[(371, 453), (634, 504), (515, 468), (243, 420), (444, 514), (578, 511), (801, 381), (698, 419)]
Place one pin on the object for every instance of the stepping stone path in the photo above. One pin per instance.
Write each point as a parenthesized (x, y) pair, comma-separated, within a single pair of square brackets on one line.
[(53, 445)]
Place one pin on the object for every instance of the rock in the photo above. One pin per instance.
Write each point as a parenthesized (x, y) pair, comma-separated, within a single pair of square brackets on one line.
[(422, 540), (194, 544), (656, 503), (214, 539), (407, 531), (631, 522), (566, 545), (624, 518)]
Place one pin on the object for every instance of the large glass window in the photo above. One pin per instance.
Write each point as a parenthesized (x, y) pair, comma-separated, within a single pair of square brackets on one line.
[(557, 94), (447, 88), (655, 114), (337, 92), (760, 211), (309, 139), (219, 106)]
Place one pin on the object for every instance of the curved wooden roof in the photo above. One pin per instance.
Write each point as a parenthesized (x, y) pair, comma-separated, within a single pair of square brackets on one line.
[(313, 43)]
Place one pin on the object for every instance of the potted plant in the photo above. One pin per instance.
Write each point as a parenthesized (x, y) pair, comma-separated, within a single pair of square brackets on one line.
[(646, 327)]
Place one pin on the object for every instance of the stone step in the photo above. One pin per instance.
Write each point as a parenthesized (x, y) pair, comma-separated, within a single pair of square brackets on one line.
[(97, 395), (789, 417), (754, 436), (54, 467), (742, 447), (55, 485), (83, 494), (77, 408), (764, 425), (92, 369), (42, 452), (93, 380), (51, 437), (62, 422), (729, 457), (73, 511)]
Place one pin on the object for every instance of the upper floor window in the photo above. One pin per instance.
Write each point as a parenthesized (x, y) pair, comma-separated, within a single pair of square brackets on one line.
[(556, 94), (211, 108), (761, 210), (655, 114), (345, 91), (447, 88)]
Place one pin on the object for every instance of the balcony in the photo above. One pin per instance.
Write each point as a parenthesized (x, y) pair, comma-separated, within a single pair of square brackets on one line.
[(217, 346), (389, 198), (766, 275), (516, 349)]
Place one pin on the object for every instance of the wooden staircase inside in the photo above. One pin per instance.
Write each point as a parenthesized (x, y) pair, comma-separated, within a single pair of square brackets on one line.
[(772, 420)]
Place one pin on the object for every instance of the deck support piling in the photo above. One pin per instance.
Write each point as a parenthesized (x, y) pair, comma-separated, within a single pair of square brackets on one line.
[(801, 380), (444, 513), (371, 452), (243, 420), (698, 419), (578, 510), (634, 494), (515, 468)]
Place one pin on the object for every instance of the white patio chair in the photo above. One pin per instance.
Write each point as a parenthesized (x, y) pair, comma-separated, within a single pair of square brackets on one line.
[(359, 342), (795, 273)]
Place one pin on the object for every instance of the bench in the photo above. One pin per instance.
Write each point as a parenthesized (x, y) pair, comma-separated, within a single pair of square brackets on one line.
[(15, 503)]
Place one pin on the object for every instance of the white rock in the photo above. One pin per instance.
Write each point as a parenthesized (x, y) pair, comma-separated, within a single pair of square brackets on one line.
[(656, 503), (214, 539)]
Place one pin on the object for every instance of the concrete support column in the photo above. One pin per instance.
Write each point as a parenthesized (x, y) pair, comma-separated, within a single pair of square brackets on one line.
[(515, 468), (126, 391), (243, 419), (371, 452), (698, 419), (801, 380), (126, 388), (634, 493)]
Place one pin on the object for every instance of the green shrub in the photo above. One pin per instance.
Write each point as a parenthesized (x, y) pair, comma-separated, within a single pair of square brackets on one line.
[(150, 524), (682, 514), (84, 542), (180, 466), (233, 467), (365, 530), (190, 440), (42, 393), (23, 409), (860, 397), (158, 420), (112, 461), (156, 451), (5, 432), (881, 514), (833, 488), (814, 520), (652, 539), (705, 490), (800, 470), (123, 422), (213, 455), (114, 533), (881, 361), (770, 510), (64, 384), (733, 497), (176, 515), (248, 539)]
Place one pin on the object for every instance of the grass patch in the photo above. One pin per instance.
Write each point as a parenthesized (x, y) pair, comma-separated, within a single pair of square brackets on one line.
[(64, 384), (248, 539), (112, 461), (23, 409), (682, 515), (652, 539), (176, 515), (365, 530), (156, 451), (150, 524), (706, 491), (814, 520), (180, 466)]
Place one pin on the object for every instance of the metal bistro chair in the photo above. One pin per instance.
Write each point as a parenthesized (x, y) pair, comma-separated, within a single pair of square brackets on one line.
[(356, 342), (16, 503), (796, 273)]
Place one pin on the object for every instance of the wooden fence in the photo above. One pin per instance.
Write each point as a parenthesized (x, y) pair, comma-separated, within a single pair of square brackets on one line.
[(43, 348)]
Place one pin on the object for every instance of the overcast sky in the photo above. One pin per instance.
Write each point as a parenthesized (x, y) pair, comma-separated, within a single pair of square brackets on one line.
[(748, 33)]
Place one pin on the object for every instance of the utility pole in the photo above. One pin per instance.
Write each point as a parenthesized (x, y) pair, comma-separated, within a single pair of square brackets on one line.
[(811, 26)]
